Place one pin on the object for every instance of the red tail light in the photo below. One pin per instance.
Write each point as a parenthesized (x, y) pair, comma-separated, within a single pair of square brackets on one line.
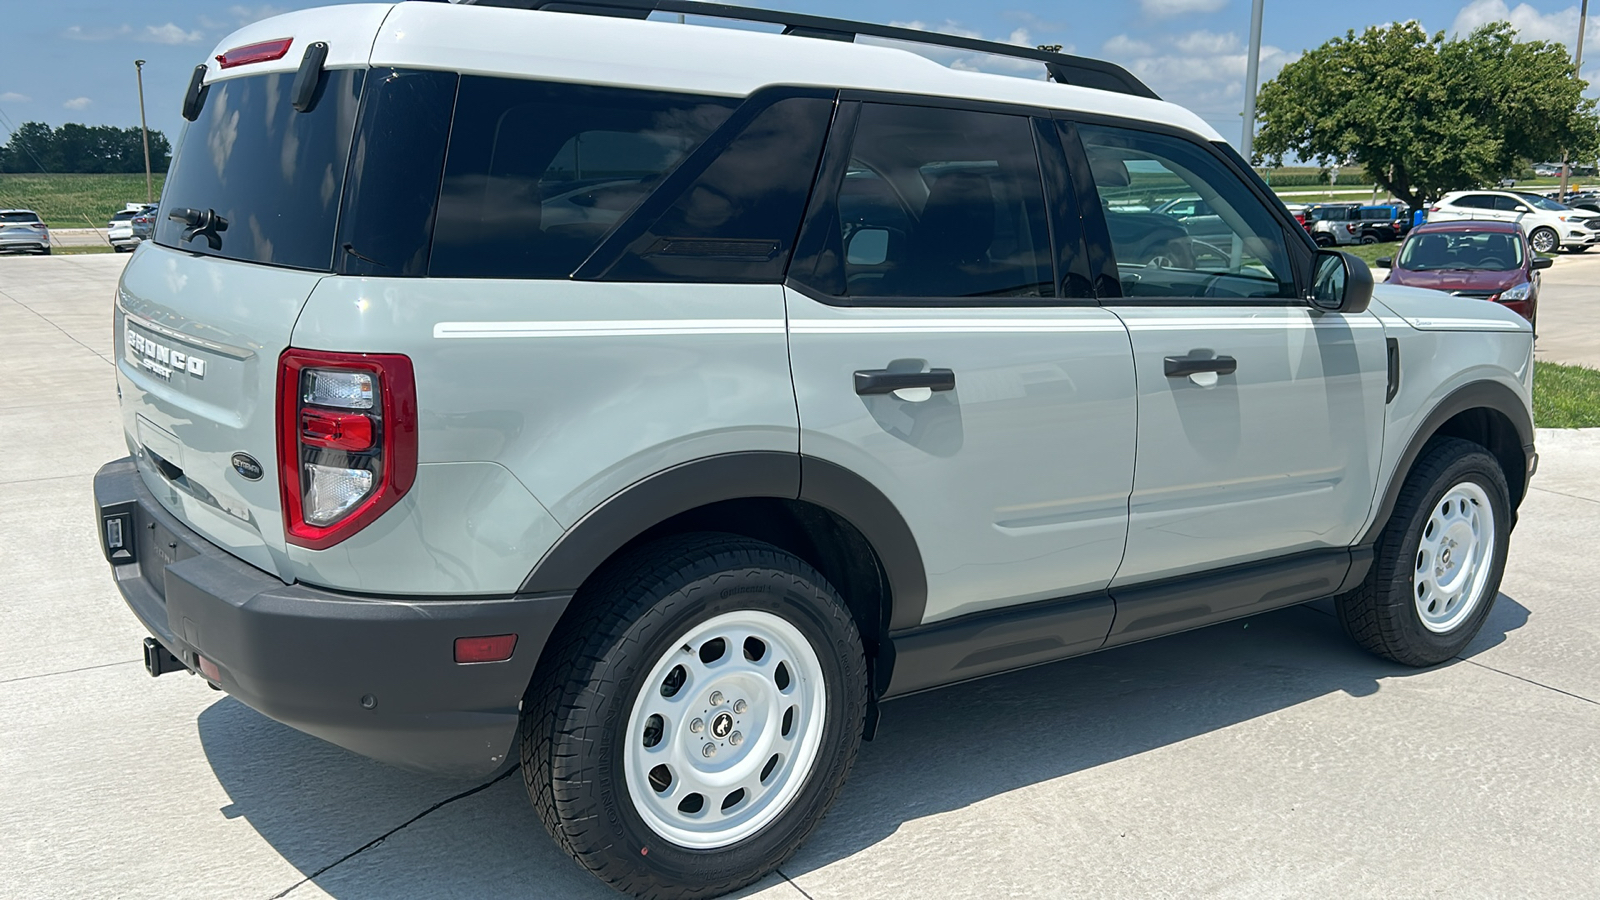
[(266, 51), (347, 441)]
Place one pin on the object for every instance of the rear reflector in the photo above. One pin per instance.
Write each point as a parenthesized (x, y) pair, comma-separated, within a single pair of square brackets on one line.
[(266, 51), (208, 669), (341, 431), (493, 648)]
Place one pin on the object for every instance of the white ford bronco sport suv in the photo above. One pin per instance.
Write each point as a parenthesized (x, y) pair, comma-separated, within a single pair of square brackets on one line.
[(645, 403)]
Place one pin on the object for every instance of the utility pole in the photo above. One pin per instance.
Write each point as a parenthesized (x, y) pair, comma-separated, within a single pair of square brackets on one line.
[(1251, 76), (1577, 70), (138, 69)]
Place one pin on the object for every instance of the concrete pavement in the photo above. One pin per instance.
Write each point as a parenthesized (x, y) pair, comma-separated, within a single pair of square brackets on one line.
[(1267, 757), (1569, 311)]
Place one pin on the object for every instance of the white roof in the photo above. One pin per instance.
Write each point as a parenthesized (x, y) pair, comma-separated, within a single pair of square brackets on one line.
[(620, 52)]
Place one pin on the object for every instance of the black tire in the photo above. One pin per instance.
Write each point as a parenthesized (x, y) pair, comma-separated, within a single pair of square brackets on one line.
[(1322, 240), (1382, 614), (1369, 238), (1547, 237), (630, 615), (45, 252)]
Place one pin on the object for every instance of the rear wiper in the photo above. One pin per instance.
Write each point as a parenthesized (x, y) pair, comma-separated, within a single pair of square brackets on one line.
[(198, 223)]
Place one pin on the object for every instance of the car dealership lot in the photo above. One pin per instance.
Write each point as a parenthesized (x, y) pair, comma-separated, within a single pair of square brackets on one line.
[(1266, 757)]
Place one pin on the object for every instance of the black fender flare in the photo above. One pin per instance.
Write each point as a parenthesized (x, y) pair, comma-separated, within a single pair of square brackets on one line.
[(736, 476), (1477, 395)]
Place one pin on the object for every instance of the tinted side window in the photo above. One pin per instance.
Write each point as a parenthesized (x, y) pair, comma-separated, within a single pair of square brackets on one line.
[(393, 186), (538, 173), (737, 220), (274, 175), (1510, 204), (943, 203), (1237, 252), (1476, 201)]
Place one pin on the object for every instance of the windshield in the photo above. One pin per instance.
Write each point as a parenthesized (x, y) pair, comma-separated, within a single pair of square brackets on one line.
[(1544, 203), (274, 176), (1444, 251)]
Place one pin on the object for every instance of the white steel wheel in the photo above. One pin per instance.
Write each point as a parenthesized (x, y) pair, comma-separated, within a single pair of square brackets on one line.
[(1454, 556), (725, 730)]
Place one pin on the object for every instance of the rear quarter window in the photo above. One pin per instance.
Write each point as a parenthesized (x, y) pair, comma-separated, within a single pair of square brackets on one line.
[(538, 174)]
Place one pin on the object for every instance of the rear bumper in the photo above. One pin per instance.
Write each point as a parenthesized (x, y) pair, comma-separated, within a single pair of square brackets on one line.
[(375, 675)]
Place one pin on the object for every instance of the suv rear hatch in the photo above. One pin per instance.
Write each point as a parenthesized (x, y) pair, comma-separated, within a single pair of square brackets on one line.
[(246, 230)]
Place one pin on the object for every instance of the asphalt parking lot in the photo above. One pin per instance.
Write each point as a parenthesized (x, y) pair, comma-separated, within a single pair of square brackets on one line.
[(1262, 758)]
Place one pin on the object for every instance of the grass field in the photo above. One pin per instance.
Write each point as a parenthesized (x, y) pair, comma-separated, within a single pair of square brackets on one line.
[(73, 201), (1566, 396)]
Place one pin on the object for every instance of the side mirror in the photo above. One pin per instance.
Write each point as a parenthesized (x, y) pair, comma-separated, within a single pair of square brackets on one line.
[(868, 247), (1543, 262), (1343, 283), (1384, 262)]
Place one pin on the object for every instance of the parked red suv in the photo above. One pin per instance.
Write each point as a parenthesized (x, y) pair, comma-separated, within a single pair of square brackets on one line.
[(1484, 260)]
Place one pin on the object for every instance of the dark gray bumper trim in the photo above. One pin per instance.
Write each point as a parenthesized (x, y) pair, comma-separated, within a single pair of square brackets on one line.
[(375, 675)]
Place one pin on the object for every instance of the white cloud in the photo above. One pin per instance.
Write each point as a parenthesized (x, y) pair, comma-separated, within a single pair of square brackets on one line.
[(168, 34), (1123, 46), (149, 34), (1530, 24), (1164, 8), (14, 97), (1206, 43), (248, 14), (77, 103)]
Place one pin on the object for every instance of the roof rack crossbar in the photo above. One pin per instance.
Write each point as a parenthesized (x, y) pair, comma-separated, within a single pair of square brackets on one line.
[(1063, 68)]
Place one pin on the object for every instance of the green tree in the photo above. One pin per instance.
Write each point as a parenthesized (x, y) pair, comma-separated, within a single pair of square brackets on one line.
[(1425, 115), (36, 147)]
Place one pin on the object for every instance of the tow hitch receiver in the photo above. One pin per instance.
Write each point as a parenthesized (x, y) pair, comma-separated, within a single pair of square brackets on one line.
[(158, 660)]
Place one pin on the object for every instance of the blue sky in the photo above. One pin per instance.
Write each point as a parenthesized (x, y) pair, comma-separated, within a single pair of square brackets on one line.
[(72, 60)]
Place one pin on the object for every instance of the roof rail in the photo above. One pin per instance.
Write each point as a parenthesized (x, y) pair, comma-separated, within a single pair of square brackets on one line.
[(1062, 68)]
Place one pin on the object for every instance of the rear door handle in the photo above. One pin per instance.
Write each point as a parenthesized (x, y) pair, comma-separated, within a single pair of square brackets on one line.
[(1184, 366), (883, 381)]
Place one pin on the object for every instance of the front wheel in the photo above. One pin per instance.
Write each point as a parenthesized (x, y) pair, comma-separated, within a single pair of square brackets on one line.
[(1437, 565), (1544, 240), (699, 717)]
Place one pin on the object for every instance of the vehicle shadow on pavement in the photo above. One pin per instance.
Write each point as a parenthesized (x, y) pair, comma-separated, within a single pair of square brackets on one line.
[(936, 752)]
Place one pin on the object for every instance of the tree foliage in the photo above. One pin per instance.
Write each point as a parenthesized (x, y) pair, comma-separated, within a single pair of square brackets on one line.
[(1426, 115), (36, 147)]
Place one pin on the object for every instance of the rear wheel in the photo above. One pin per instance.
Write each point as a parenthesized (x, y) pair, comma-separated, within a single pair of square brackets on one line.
[(695, 724), (1437, 566), (1544, 240)]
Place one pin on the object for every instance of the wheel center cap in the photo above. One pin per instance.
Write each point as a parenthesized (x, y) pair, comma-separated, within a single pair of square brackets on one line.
[(721, 726)]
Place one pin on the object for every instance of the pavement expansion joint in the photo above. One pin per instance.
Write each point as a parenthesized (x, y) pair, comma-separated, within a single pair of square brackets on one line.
[(397, 829), (794, 885), (125, 662), (1565, 494), (1529, 681), (52, 324)]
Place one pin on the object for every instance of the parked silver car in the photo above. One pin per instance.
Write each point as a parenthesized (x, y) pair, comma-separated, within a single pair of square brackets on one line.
[(22, 229)]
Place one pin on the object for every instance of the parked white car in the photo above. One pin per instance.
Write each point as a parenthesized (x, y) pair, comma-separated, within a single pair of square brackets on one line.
[(1549, 225)]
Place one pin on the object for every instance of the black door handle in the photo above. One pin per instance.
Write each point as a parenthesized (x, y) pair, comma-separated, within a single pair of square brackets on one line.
[(883, 381), (1184, 366)]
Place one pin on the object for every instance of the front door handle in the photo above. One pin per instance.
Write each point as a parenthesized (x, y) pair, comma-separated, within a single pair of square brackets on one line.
[(883, 381), (1184, 366)]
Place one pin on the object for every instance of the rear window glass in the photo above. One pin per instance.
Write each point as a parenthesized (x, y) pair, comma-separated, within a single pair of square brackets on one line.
[(272, 174), (537, 174), (19, 217)]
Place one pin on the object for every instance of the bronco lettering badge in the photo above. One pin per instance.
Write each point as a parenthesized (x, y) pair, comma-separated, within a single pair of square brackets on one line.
[(161, 360)]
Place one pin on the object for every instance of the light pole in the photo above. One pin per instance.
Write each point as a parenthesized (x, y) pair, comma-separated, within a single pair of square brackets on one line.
[(1577, 69), (1251, 76), (138, 70)]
